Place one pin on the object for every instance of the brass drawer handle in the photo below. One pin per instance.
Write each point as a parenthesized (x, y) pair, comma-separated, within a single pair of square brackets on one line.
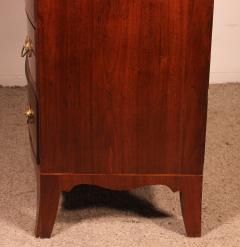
[(29, 113), (27, 48)]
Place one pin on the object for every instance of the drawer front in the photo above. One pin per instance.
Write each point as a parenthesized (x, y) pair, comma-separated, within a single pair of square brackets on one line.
[(29, 52), (30, 70), (32, 120), (30, 10), (31, 113)]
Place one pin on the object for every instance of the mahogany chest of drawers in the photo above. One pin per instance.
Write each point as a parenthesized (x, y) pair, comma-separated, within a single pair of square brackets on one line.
[(117, 95)]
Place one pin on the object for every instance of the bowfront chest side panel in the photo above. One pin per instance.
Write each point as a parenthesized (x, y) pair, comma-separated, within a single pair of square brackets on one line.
[(123, 85), (117, 93)]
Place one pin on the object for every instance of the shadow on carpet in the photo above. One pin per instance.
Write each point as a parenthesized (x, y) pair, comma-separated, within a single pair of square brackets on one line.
[(89, 196)]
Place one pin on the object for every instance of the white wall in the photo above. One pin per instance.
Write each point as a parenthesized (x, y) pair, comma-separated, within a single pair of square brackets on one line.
[(225, 65), (12, 35)]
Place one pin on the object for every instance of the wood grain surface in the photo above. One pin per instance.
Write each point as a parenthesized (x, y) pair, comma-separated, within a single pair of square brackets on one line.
[(123, 85), (121, 94)]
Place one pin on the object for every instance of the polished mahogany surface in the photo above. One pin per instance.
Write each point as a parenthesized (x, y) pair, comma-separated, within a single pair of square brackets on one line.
[(119, 91), (123, 85)]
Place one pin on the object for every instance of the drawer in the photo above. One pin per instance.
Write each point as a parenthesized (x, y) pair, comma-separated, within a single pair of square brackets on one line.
[(32, 120), (28, 51), (30, 10), (31, 113)]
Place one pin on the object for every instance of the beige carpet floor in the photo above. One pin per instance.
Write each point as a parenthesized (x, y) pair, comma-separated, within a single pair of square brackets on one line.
[(102, 224)]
